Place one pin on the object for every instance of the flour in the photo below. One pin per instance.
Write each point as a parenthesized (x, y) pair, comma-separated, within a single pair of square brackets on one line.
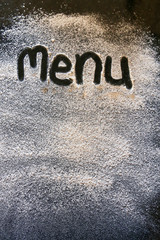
[(78, 162)]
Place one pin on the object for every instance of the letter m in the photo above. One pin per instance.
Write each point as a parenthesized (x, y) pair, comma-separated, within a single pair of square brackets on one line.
[(32, 53)]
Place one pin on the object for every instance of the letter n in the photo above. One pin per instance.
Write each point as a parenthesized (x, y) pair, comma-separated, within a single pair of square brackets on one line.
[(80, 61)]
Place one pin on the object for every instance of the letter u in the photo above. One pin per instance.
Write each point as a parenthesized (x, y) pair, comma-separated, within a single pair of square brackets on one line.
[(125, 80)]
